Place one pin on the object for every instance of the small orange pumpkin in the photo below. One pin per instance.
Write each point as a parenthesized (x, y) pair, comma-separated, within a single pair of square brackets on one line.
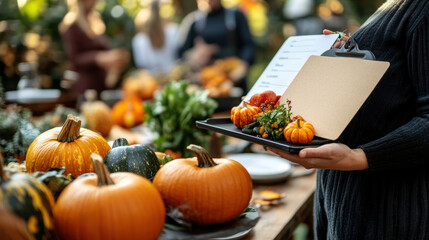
[(142, 85), (299, 131), (113, 206), (207, 191), (243, 115), (69, 146), (128, 112), (97, 114)]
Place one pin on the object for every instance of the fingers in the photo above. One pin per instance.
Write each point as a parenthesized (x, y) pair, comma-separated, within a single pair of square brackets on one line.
[(337, 44), (319, 152), (292, 157), (327, 32)]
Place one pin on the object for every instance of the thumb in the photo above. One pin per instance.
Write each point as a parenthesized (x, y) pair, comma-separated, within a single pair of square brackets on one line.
[(318, 152)]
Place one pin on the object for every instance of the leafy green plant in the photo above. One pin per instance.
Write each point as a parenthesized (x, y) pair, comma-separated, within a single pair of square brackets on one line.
[(271, 123), (172, 116), (16, 133)]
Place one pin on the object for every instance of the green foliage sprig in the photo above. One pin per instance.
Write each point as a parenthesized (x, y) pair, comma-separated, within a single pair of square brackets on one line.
[(172, 116), (271, 123)]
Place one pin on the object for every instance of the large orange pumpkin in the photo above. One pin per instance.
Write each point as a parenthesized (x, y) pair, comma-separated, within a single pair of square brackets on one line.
[(128, 112), (206, 190), (69, 146), (113, 206)]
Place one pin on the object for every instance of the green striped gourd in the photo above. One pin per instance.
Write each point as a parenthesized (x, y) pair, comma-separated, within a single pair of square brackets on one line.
[(30, 200), (138, 159)]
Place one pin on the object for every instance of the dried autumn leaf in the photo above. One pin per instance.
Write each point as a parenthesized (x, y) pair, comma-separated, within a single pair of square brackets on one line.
[(270, 195), (262, 202)]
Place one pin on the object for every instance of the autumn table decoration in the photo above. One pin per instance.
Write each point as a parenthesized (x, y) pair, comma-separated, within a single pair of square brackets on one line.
[(115, 206), (128, 112), (205, 190), (244, 115), (69, 146), (264, 116), (30, 200), (97, 114), (137, 158), (299, 131)]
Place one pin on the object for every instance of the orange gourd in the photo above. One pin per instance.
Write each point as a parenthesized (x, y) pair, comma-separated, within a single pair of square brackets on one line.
[(115, 206), (12, 227), (207, 191), (142, 85), (243, 115), (299, 131), (128, 112), (97, 115), (69, 146)]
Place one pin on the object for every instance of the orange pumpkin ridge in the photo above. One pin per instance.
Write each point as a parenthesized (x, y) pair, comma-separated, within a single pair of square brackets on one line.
[(98, 116), (68, 146), (299, 131), (243, 115), (113, 204), (128, 112), (207, 191)]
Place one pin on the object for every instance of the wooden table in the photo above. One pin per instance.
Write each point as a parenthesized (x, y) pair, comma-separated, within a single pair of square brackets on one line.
[(280, 221)]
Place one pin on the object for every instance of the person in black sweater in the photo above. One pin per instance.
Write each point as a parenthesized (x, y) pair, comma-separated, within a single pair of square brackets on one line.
[(374, 184), (214, 32)]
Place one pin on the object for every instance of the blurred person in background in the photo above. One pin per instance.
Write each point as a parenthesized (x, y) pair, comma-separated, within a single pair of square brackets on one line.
[(214, 32), (303, 18), (155, 46), (88, 49)]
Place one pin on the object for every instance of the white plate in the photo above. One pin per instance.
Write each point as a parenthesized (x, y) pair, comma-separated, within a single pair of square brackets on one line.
[(237, 236), (264, 168)]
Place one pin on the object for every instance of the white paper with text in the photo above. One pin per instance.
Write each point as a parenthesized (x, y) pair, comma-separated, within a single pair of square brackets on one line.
[(289, 60)]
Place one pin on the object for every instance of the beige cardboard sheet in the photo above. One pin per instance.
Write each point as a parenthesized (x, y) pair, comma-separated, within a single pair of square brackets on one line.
[(328, 91)]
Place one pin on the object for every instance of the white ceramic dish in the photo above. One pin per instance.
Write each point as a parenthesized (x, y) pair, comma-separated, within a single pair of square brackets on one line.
[(237, 236), (264, 168)]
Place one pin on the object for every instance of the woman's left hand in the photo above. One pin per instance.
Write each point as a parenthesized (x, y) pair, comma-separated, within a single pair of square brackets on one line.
[(334, 156)]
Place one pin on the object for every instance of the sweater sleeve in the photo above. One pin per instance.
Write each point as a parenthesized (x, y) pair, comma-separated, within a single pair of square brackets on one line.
[(409, 144), (72, 41)]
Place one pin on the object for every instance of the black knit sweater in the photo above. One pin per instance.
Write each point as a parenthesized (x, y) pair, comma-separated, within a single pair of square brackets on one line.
[(390, 200)]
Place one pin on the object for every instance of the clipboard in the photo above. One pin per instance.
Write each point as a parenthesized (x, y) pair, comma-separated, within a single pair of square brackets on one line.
[(349, 49), (329, 89), (320, 96)]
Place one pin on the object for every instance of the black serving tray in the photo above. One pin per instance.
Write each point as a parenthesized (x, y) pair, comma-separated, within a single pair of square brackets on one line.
[(226, 127)]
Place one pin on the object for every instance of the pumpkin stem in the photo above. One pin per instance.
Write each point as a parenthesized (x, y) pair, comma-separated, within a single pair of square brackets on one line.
[(70, 130), (203, 156), (120, 142), (298, 123), (103, 175)]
